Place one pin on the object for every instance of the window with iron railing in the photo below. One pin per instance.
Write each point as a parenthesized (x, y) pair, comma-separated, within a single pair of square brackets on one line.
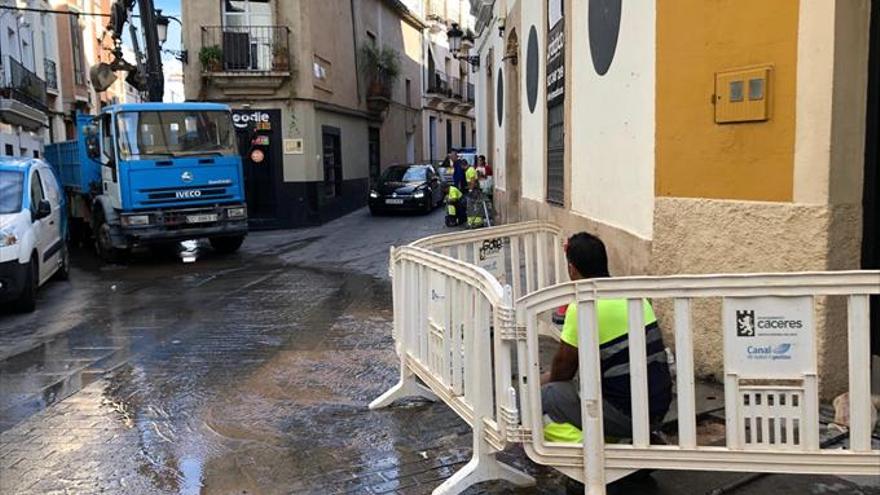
[(51, 74), (437, 85), (245, 49), (76, 45)]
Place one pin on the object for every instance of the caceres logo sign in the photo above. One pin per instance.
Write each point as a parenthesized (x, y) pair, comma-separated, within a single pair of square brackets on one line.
[(769, 337), (747, 324), (189, 194), (243, 120)]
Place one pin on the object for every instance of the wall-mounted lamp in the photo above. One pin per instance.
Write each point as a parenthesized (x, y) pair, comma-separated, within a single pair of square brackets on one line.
[(460, 44)]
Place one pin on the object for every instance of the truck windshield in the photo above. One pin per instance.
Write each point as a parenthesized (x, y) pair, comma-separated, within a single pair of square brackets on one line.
[(11, 182), (159, 134)]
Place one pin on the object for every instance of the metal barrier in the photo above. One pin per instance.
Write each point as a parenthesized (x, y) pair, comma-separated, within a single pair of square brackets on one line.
[(456, 330), (771, 377), (527, 256), (445, 312)]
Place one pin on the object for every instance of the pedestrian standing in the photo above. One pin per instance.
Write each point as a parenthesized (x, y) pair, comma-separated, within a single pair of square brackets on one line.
[(458, 170), (487, 181)]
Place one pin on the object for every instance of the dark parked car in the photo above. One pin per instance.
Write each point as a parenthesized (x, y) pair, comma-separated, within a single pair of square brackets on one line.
[(407, 187)]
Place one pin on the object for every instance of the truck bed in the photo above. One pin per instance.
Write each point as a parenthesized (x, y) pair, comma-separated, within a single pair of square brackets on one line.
[(76, 171)]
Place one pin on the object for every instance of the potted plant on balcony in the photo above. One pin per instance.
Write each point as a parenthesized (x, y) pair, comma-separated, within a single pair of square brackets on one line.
[(211, 58), (280, 58), (380, 67)]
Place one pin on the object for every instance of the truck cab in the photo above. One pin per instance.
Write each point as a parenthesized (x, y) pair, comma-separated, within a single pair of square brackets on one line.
[(156, 173)]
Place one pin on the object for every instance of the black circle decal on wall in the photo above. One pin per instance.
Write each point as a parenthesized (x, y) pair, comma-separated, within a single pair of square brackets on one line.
[(532, 69), (499, 98), (604, 26)]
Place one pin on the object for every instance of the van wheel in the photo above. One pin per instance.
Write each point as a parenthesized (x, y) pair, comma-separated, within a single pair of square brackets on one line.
[(226, 245), (27, 301), (63, 272)]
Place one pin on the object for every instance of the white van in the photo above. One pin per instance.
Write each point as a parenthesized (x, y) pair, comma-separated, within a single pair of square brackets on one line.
[(33, 230)]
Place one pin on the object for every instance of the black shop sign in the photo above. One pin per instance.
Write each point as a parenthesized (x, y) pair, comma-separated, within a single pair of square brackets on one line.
[(556, 55)]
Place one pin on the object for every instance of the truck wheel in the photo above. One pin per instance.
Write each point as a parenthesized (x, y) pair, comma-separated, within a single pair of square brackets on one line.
[(104, 245), (226, 245), (63, 272), (27, 301)]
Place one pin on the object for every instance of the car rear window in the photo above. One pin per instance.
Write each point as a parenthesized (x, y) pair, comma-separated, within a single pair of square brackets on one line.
[(11, 183)]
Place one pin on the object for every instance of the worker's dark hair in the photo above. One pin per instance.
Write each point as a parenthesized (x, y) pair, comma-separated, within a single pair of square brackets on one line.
[(587, 253), (482, 157)]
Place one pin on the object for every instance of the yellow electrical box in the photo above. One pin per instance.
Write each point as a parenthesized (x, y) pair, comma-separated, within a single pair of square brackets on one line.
[(742, 95)]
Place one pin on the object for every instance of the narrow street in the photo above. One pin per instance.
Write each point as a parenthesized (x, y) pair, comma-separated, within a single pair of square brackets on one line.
[(249, 373)]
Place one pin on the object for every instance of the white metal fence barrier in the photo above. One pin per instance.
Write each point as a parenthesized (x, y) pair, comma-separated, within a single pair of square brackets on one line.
[(458, 330)]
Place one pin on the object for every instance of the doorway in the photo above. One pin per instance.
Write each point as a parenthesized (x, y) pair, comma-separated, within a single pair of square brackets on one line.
[(448, 135), (432, 138), (375, 155), (332, 146), (259, 144)]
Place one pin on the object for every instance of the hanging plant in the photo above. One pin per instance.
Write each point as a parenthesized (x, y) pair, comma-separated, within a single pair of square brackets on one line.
[(380, 68), (211, 58)]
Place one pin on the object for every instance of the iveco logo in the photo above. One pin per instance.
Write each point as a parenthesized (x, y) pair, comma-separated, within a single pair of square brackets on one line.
[(195, 193), (186, 176)]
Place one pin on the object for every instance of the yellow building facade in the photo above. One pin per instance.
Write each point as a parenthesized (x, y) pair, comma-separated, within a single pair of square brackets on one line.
[(692, 136)]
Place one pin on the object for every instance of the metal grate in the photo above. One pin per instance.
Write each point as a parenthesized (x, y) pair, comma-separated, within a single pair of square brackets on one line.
[(771, 418)]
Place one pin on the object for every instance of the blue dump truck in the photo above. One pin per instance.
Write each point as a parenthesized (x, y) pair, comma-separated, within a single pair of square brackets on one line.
[(149, 174)]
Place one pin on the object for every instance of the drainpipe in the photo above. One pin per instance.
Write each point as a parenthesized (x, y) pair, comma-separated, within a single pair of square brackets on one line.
[(354, 43)]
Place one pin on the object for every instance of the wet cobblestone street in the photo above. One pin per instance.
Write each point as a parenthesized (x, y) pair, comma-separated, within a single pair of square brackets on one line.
[(247, 374)]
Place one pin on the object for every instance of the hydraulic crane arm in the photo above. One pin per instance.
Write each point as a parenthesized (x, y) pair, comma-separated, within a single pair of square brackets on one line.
[(146, 74)]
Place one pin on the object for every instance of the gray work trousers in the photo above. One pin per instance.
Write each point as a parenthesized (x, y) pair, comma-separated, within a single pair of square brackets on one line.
[(560, 401)]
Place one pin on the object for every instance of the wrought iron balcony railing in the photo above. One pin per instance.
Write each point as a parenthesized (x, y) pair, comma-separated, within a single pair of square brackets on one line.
[(23, 85), (437, 85), (250, 49)]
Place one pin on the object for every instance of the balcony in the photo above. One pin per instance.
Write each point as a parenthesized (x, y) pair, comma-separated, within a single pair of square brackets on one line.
[(438, 90), (246, 59), (51, 75), (22, 96)]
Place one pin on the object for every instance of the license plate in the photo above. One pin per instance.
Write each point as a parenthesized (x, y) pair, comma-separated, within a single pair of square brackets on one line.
[(393, 201), (201, 218)]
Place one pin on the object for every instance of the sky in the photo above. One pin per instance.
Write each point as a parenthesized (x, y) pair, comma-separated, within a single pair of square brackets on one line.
[(170, 8)]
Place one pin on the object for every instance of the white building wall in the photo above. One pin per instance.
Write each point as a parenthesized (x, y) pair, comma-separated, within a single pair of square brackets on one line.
[(533, 152), (29, 38), (613, 126), (499, 168)]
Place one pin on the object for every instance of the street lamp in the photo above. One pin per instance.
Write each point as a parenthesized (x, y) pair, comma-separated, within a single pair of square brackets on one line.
[(460, 45), (162, 26), (162, 22)]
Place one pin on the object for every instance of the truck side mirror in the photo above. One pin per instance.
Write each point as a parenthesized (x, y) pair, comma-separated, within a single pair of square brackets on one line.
[(93, 149)]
